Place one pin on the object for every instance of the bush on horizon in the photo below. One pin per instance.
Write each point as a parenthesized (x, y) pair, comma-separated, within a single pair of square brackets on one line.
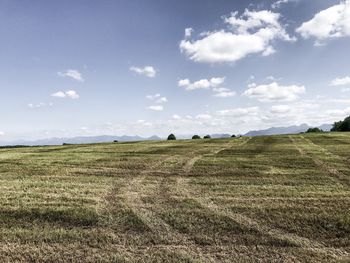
[(171, 137), (196, 137), (342, 126)]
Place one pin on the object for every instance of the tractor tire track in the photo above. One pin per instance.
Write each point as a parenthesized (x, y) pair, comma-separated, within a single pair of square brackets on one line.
[(165, 234), (333, 172), (302, 242)]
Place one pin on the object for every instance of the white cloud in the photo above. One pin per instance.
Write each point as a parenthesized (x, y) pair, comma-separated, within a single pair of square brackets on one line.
[(340, 81), (157, 98), (274, 92), (280, 109), (239, 112), (67, 94), (252, 33), (279, 3), (162, 100), (339, 113), (201, 84), (147, 71), (40, 105), (59, 94), (156, 108), (152, 97), (176, 117), (188, 32), (2, 133), (71, 73), (225, 94), (333, 22)]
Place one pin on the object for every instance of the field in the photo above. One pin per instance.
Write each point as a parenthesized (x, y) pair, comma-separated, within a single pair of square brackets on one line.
[(267, 199)]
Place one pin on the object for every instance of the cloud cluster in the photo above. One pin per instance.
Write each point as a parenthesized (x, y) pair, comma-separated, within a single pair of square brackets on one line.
[(158, 99), (201, 84), (340, 81), (147, 71), (333, 22), (214, 84), (72, 94), (274, 92), (251, 33), (71, 73)]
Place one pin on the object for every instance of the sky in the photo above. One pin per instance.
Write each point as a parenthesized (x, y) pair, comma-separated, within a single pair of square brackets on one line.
[(115, 67)]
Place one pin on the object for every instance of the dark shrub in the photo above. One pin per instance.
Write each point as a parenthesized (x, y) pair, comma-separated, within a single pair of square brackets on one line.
[(233, 136), (195, 137), (314, 130), (207, 136), (342, 126), (171, 137)]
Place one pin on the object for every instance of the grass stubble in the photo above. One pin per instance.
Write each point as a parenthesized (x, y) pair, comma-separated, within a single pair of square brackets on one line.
[(267, 199)]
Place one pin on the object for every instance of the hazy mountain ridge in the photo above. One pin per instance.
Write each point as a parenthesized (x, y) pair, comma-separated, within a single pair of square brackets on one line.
[(81, 140), (294, 129)]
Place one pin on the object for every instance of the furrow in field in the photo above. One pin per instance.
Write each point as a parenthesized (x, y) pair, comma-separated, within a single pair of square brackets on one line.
[(192, 161), (164, 233), (302, 242), (324, 151), (336, 174)]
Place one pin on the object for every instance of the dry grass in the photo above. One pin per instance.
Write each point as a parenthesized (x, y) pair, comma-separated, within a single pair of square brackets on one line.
[(266, 199)]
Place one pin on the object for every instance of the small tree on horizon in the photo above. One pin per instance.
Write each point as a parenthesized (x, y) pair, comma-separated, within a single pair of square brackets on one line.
[(207, 137), (233, 136), (342, 126), (171, 137), (196, 137), (310, 130)]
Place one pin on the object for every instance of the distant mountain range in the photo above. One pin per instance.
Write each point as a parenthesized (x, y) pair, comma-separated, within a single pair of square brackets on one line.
[(81, 140), (108, 138), (295, 129)]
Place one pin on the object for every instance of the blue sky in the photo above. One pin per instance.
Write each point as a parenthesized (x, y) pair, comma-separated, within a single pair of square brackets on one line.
[(71, 68)]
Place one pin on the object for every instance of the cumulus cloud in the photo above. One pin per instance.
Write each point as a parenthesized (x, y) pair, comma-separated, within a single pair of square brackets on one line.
[(333, 22), (72, 94), (156, 108), (340, 81), (274, 92), (213, 83), (251, 33), (147, 71), (157, 98), (201, 84), (71, 73)]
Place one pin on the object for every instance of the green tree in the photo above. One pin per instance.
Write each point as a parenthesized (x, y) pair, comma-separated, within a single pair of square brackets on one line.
[(171, 137), (343, 126), (233, 136), (195, 137), (314, 130), (207, 136)]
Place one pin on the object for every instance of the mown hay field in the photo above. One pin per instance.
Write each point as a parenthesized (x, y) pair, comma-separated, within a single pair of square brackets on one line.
[(267, 199)]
